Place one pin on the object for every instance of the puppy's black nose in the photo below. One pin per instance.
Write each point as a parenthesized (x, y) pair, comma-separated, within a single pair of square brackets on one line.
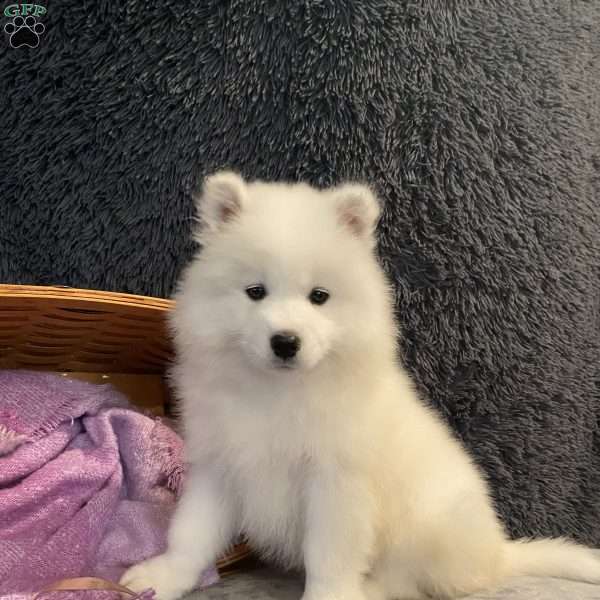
[(285, 345)]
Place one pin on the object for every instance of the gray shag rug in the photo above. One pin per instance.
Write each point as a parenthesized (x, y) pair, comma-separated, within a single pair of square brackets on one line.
[(476, 121)]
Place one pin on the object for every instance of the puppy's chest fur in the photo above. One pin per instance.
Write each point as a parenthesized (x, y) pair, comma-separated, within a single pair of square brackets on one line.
[(267, 471), (271, 501)]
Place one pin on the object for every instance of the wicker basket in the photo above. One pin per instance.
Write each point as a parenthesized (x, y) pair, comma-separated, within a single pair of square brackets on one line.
[(95, 336)]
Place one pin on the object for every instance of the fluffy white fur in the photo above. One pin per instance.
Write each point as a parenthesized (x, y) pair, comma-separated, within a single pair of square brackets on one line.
[(334, 464)]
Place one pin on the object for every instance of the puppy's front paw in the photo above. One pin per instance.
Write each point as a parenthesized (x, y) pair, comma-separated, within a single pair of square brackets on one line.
[(162, 575)]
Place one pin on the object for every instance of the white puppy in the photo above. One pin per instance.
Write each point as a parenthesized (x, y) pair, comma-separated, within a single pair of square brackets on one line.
[(302, 429)]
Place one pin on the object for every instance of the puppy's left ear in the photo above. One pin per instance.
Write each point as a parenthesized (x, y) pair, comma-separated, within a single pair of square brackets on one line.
[(358, 209)]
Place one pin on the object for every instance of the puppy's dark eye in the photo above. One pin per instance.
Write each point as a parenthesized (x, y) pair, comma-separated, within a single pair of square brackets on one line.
[(256, 292), (319, 296)]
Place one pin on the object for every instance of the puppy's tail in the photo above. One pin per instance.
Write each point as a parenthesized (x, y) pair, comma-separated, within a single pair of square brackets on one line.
[(553, 558)]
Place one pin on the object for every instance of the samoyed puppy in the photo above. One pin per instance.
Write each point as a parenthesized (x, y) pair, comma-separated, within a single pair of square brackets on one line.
[(302, 429)]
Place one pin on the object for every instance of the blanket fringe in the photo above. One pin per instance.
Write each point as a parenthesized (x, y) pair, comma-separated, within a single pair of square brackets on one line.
[(168, 452), (10, 440)]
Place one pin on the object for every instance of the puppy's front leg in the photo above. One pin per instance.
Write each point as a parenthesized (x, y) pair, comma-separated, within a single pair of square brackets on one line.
[(202, 527), (339, 536)]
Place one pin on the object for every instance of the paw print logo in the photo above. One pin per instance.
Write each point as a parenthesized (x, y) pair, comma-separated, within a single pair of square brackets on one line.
[(24, 32)]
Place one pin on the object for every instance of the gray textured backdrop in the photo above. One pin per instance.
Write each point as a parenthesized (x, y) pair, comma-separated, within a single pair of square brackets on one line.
[(477, 122)]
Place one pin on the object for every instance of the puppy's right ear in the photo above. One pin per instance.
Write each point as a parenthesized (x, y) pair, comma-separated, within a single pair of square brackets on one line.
[(358, 209), (221, 200)]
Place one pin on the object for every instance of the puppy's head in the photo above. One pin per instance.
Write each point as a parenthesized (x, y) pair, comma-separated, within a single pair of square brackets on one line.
[(287, 276)]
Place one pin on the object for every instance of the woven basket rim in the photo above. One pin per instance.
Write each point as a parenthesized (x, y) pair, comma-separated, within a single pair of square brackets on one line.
[(84, 295)]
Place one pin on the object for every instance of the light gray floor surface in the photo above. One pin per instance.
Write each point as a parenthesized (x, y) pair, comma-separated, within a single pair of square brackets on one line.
[(267, 584)]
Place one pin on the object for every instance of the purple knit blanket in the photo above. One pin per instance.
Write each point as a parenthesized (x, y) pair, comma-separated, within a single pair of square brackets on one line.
[(87, 484)]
